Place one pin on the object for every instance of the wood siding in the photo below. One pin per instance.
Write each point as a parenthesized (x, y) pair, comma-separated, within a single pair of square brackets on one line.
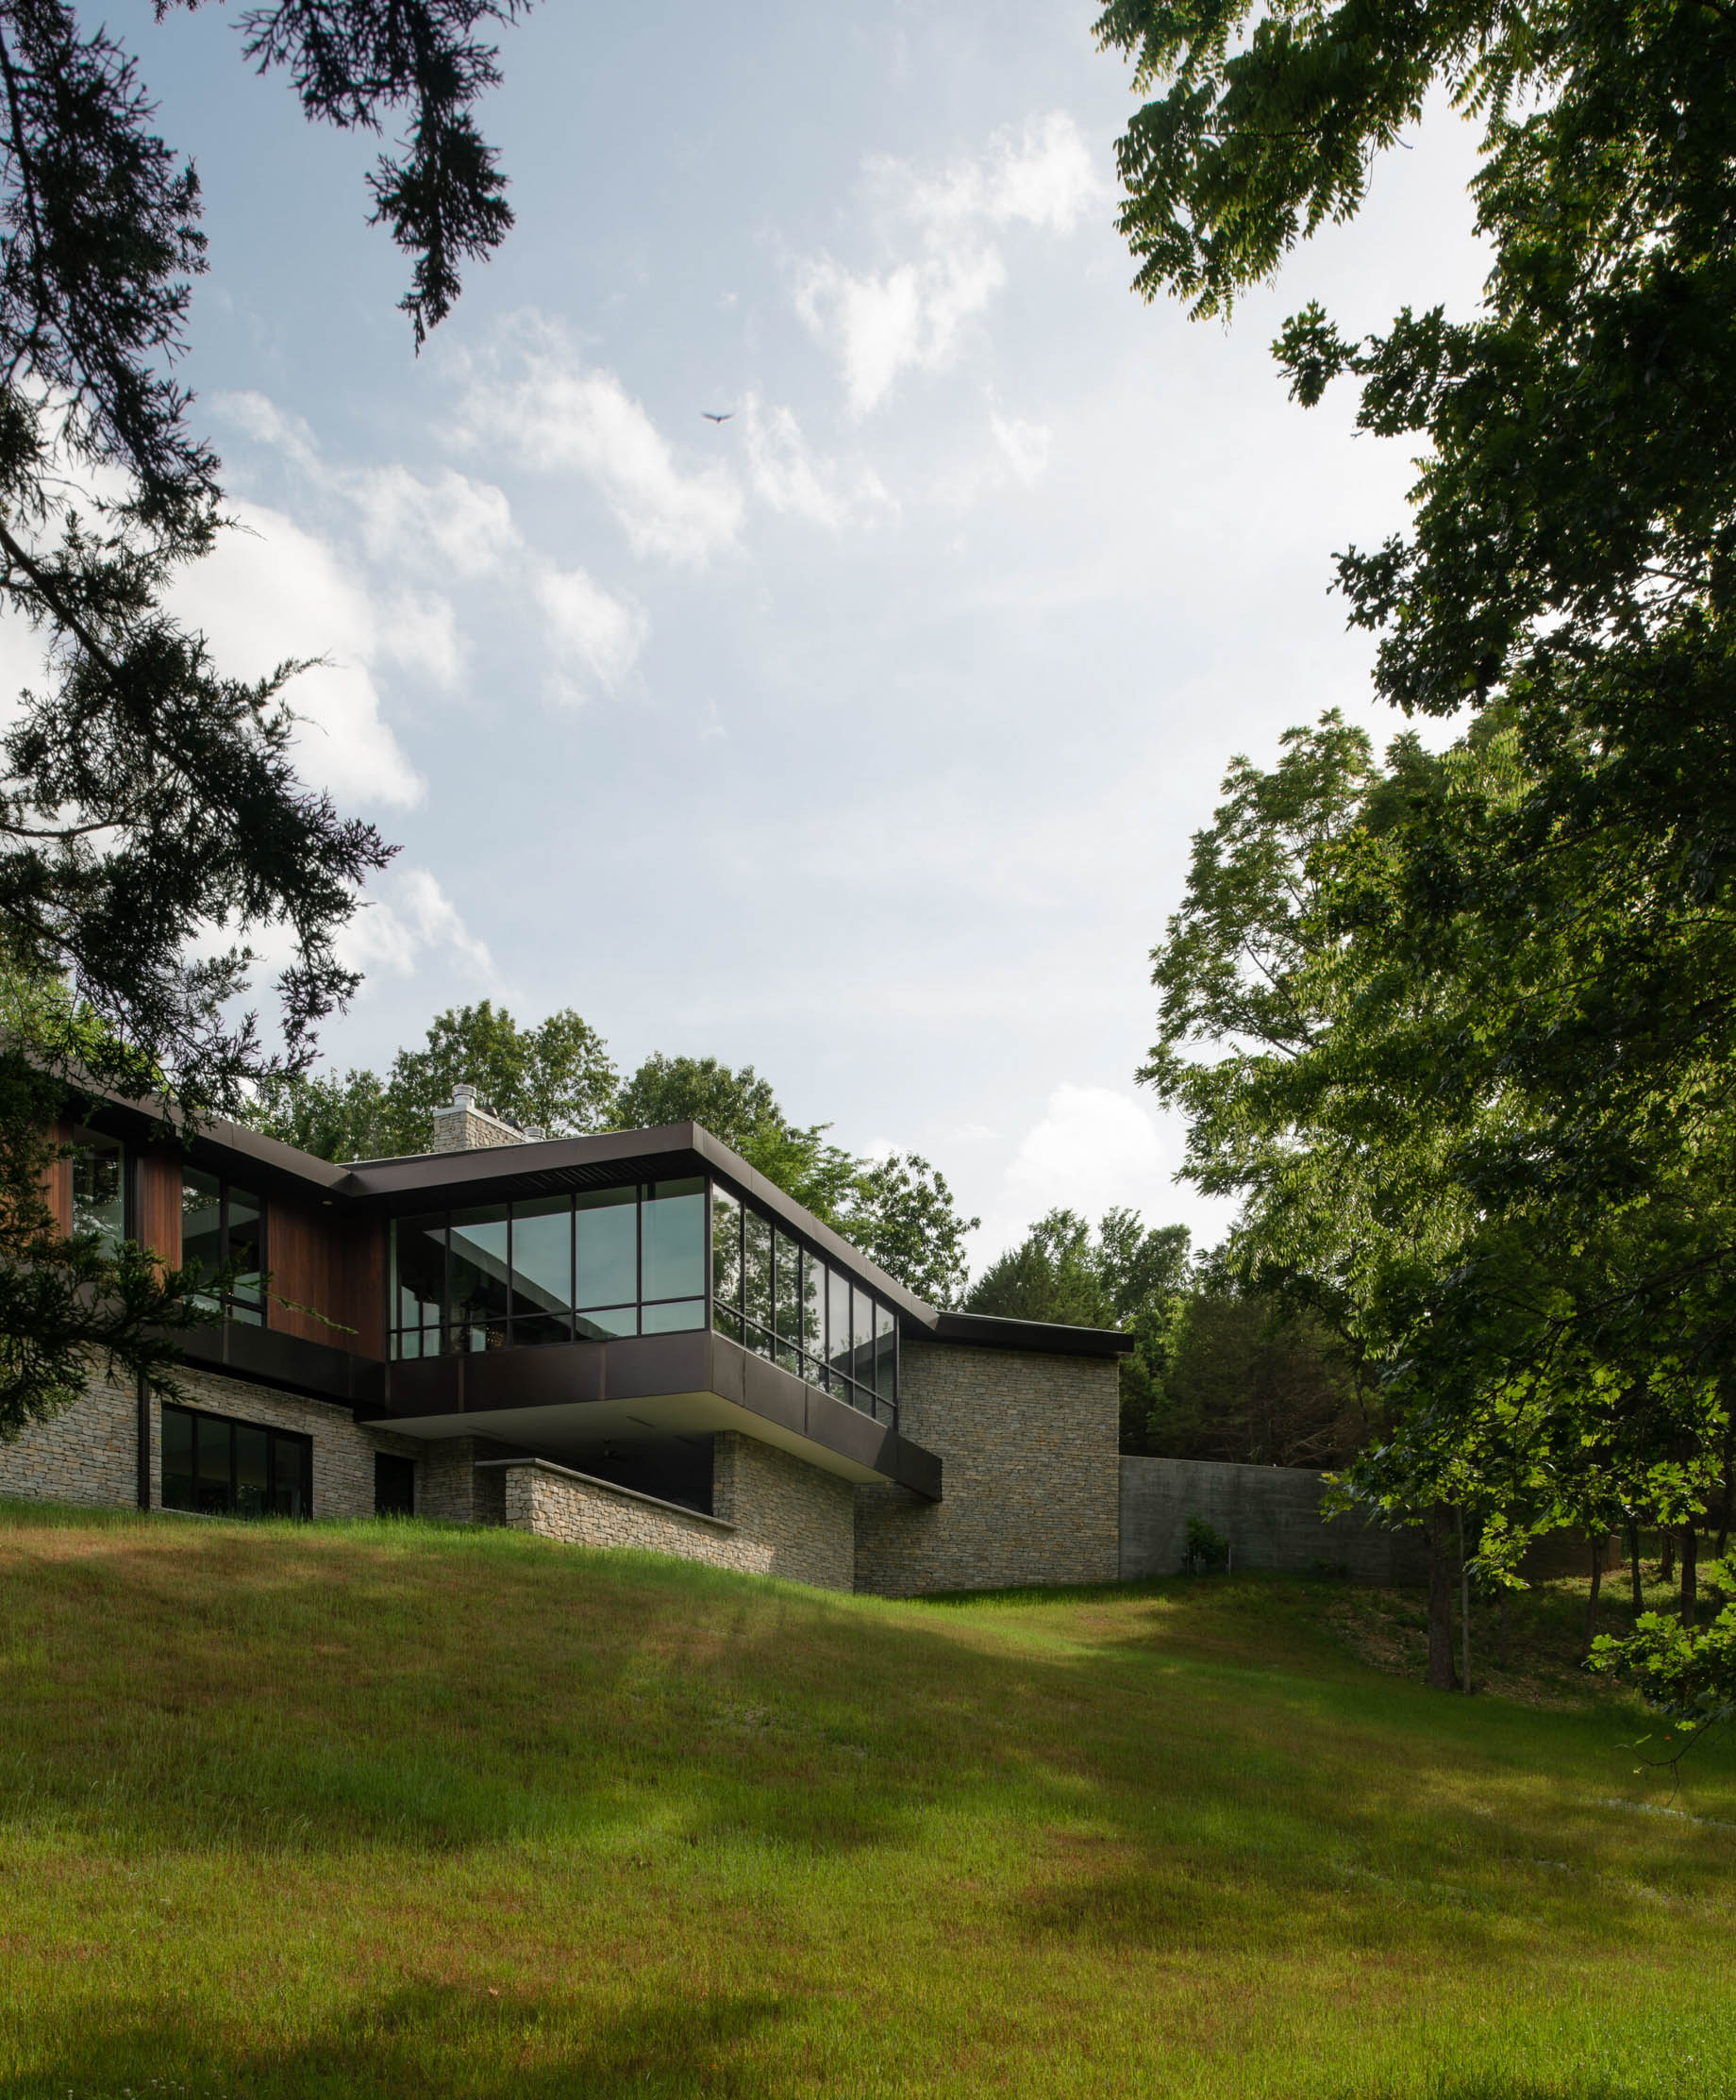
[(326, 1266), (57, 1181), (158, 1183)]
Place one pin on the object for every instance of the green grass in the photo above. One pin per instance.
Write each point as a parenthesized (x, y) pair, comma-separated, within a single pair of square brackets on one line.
[(409, 1810)]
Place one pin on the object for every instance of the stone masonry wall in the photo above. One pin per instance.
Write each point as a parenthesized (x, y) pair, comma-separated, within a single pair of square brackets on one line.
[(89, 1453), (1028, 1444), (804, 1517), (583, 1511), (447, 1483)]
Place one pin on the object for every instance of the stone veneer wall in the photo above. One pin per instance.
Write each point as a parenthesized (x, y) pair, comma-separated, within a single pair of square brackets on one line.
[(1029, 1446), (774, 1515), (90, 1453), (448, 1485), (581, 1511), (804, 1517)]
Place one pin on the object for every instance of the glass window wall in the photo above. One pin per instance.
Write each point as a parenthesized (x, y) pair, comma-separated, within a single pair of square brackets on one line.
[(222, 1468), (545, 1269), (612, 1262), (99, 1188), (223, 1227), (787, 1302)]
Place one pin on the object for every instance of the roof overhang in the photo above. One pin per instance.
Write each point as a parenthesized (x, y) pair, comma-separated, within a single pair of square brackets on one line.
[(572, 1397)]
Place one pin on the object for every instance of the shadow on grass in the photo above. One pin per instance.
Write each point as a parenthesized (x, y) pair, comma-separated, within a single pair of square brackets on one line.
[(428, 2039), (223, 1693)]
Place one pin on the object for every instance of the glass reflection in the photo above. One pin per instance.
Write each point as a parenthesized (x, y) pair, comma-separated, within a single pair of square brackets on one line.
[(606, 1322), (725, 1249), (672, 1239), (757, 1269), (244, 1249), (677, 1317), (837, 1323), (813, 1319), (201, 1225), (477, 1279), (541, 1268), (607, 1249), (99, 1188)]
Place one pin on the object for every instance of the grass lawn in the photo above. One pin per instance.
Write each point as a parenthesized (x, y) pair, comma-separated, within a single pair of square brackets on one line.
[(412, 1810)]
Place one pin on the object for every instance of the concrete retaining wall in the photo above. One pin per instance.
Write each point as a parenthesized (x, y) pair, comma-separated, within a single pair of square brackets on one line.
[(1270, 1516)]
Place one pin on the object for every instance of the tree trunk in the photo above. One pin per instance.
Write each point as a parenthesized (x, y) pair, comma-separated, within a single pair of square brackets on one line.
[(1503, 1625), (1666, 1558), (1634, 1575), (1440, 1601), (1689, 1571), (1464, 1609), (1591, 1608), (1729, 1484)]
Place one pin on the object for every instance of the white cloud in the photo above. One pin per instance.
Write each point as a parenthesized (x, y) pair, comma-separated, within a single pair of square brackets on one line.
[(1024, 447), (271, 591), (459, 530), (555, 414), (420, 631), (914, 314), (586, 625), (789, 477), (1093, 1147), (410, 917), (451, 522)]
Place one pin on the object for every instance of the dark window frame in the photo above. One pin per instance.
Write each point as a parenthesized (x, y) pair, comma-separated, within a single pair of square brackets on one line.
[(232, 1303), (274, 1436), (81, 1142), (448, 1327), (815, 1365)]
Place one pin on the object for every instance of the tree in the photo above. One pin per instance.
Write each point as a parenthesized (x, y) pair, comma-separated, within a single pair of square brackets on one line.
[(1568, 572), (1248, 1382), (902, 1215), (555, 1077), (144, 796), (740, 1108), (1130, 1276), (1053, 1274)]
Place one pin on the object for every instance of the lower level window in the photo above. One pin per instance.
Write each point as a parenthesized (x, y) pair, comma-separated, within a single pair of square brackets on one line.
[(222, 1468)]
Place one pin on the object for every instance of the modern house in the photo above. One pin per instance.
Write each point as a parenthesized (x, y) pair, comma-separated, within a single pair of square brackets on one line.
[(624, 1340)]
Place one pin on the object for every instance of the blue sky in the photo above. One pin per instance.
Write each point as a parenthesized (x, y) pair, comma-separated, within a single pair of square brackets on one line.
[(861, 737)]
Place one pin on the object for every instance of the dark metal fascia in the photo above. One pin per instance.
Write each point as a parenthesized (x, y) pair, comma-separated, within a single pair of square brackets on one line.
[(987, 1330)]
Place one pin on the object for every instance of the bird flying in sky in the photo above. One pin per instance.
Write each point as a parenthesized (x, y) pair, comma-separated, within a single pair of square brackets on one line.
[(712, 416)]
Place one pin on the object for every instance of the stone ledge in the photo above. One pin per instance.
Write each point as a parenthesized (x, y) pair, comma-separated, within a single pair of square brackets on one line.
[(610, 1486)]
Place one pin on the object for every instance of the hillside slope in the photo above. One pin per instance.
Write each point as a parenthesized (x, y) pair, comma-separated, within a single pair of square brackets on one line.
[(401, 1809)]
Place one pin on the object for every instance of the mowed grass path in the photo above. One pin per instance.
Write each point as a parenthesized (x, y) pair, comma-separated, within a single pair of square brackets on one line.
[(410, 1810)]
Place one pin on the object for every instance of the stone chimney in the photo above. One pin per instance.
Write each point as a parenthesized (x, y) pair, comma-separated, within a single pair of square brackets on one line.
[(464, 1127)]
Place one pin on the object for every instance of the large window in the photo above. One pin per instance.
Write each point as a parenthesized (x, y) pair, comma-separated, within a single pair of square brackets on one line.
[(222, 1468), (607, 1262), (631, 1262), (99, 1187), (782, 1300), (223, 1227)]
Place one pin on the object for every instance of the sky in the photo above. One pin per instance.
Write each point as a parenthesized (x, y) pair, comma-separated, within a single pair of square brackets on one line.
[(861, 737)]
